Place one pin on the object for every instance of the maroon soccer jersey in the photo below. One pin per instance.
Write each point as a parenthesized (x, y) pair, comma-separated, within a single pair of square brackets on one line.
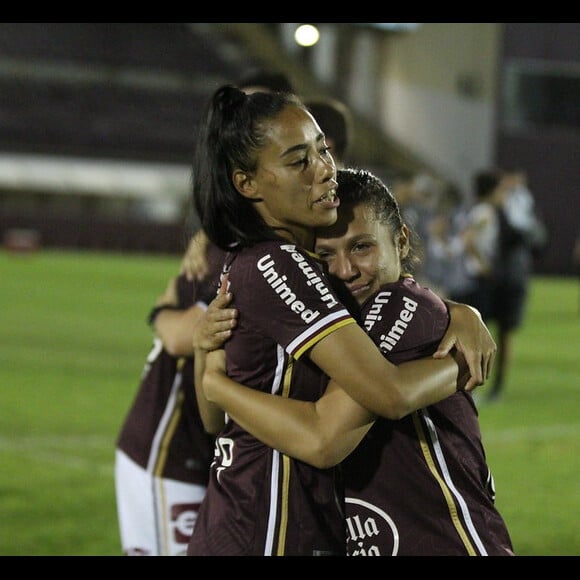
[(162, 431), (259, 501), (420, 486)]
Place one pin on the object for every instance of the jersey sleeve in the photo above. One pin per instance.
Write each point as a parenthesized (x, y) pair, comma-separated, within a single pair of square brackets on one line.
[(405, 320)]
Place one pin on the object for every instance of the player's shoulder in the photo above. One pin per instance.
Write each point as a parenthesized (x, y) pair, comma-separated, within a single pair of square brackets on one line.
[(394, 298), (423, 294), (404, 287), (405, 319), (267, 253)]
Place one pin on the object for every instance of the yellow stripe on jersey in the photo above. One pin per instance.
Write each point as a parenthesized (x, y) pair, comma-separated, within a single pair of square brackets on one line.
[(444, 488), (320, 336), (168, 435), (283, 526), (281, 551)]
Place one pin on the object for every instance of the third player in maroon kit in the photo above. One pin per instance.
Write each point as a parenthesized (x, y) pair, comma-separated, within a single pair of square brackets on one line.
[(163, 453)]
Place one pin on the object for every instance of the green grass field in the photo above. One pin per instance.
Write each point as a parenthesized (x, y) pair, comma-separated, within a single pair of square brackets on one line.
[(73, 342)]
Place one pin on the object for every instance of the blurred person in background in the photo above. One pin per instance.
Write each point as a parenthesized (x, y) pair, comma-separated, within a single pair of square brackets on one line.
[(444, 265), (262, 79), (501, 235), (163, 453), (419, 486), (417, 195), (335, 120), (522, 236), (480, 234)]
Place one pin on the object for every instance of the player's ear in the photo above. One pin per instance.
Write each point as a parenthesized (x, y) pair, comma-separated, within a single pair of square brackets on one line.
[(404, 242), (246, 185)]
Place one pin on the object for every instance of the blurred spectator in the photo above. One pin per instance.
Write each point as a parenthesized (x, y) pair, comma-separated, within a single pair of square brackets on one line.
[(261, 79), (522, 235), (444, 269), (525, 228), (335, 120), (418, 196), (501, 235), (480, 235)]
